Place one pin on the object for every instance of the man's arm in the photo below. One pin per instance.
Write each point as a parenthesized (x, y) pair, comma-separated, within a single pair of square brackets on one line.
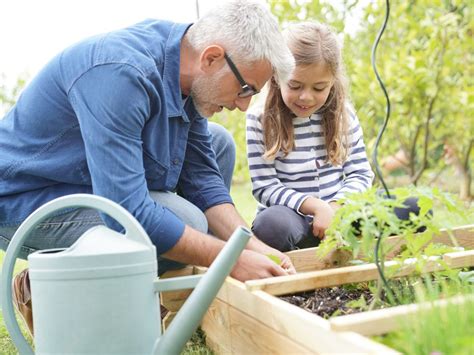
[(198, 248)]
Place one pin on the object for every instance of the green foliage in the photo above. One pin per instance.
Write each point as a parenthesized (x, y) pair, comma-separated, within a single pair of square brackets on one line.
[(274, 258), (359, 303), (369, 217), (365, 217), (425, 60), (9, 95), (441, 330), (319, 10), (234, 122)]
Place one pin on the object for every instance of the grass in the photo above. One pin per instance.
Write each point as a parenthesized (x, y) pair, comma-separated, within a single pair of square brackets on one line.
[(438, 331), (6, 344), (246, 205), (244, 201)]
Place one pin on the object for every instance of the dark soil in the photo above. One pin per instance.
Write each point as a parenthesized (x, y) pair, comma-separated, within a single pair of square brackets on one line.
[(327, 302), (354, 298)]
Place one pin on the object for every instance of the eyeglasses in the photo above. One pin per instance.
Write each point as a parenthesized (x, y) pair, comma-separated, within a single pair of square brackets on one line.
[(247, 89)]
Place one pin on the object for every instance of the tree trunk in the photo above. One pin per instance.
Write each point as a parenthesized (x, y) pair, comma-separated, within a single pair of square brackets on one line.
[(451, 157)]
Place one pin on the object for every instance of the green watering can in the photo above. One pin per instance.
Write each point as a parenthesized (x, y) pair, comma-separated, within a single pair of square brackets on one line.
[(101, 295)]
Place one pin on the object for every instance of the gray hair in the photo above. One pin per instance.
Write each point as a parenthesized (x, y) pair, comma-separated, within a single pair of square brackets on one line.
[(248, 31)]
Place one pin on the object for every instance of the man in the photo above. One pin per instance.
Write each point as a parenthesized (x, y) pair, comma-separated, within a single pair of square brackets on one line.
[(121, 115)]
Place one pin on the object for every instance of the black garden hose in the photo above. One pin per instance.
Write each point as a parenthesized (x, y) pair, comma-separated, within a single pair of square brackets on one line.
[(377, 142)]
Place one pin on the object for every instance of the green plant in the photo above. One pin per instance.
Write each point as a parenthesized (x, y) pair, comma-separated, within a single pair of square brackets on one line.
[(439, 330), (365, 221), (367, 217)]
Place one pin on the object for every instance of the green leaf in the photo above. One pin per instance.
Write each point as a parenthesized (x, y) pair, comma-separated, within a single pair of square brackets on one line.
[(274, 258)]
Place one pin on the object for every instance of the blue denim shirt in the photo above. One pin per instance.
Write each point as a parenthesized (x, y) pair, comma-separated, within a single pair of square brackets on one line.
[(106, 116)]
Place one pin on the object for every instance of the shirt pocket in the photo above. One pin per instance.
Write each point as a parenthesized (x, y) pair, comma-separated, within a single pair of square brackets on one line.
[(155, 171)]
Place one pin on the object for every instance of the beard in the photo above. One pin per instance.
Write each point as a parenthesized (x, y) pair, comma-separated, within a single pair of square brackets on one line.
[(205, 92)]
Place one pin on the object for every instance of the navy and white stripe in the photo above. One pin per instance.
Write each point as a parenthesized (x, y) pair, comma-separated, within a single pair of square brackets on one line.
[(303, 172)]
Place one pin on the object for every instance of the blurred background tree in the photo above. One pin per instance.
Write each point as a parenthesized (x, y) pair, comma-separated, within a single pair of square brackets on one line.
[(426, 62), (9, 93), (425, 59)]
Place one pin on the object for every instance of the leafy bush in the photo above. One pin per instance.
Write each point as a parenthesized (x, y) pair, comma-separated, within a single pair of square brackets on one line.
[(368, 216)]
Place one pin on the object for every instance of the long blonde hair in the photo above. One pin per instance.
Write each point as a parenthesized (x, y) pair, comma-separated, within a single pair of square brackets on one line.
[(310, 43)]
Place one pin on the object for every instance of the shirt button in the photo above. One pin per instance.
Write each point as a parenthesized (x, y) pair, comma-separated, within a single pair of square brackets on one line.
[(175, 161)]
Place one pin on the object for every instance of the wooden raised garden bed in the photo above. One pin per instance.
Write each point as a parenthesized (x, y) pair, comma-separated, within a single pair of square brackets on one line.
[(250, 318)]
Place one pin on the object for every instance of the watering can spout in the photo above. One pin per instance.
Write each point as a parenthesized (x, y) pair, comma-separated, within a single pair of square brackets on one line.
[(189, 316)]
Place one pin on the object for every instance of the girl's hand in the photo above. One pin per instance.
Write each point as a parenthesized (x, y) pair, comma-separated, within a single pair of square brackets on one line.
[(335, 206), (322, 217)]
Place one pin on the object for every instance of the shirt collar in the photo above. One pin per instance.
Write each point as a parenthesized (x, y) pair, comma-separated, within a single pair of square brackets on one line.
[(174, 101)]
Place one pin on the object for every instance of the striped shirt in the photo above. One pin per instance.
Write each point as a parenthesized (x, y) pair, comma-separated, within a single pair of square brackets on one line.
[(304, 172)]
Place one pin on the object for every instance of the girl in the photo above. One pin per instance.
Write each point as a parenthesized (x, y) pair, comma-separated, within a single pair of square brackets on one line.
[(305, 146)]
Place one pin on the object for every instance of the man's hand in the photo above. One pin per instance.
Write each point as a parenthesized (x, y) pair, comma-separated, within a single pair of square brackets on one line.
[(253, 265), (260, 247), (223, 219)]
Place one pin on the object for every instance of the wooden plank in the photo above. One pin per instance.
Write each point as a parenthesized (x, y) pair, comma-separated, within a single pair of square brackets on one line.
[(230, 330), (306, 260), (334, 277), (166, 321), (459, 259), (240, 321), (250, 336), (306, 328), (383, 321), (366, 345), (278, 316), (459, 236), (173, 300), (463, 235), (216, 325), (186, 271)]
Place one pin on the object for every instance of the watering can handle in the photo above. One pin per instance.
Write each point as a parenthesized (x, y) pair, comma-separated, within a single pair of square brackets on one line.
[(133, 231)]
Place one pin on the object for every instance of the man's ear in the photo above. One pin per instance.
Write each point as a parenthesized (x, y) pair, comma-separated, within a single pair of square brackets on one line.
[(212, 58)]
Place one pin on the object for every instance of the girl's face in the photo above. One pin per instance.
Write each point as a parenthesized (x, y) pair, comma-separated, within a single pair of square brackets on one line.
[(308, 89)]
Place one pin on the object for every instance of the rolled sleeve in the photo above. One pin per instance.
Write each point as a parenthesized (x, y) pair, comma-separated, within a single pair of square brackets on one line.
[(167, 233)]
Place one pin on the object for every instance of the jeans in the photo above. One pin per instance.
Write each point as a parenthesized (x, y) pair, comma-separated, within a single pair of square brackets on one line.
[(283, 229), (62, 230)]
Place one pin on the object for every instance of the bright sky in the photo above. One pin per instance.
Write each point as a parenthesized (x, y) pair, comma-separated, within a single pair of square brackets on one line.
[(33, 31)]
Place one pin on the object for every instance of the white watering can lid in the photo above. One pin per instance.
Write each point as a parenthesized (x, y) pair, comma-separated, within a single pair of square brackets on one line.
[(98, 253)]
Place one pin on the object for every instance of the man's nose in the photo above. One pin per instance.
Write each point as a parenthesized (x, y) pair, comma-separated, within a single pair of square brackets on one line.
[(243, 103)]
